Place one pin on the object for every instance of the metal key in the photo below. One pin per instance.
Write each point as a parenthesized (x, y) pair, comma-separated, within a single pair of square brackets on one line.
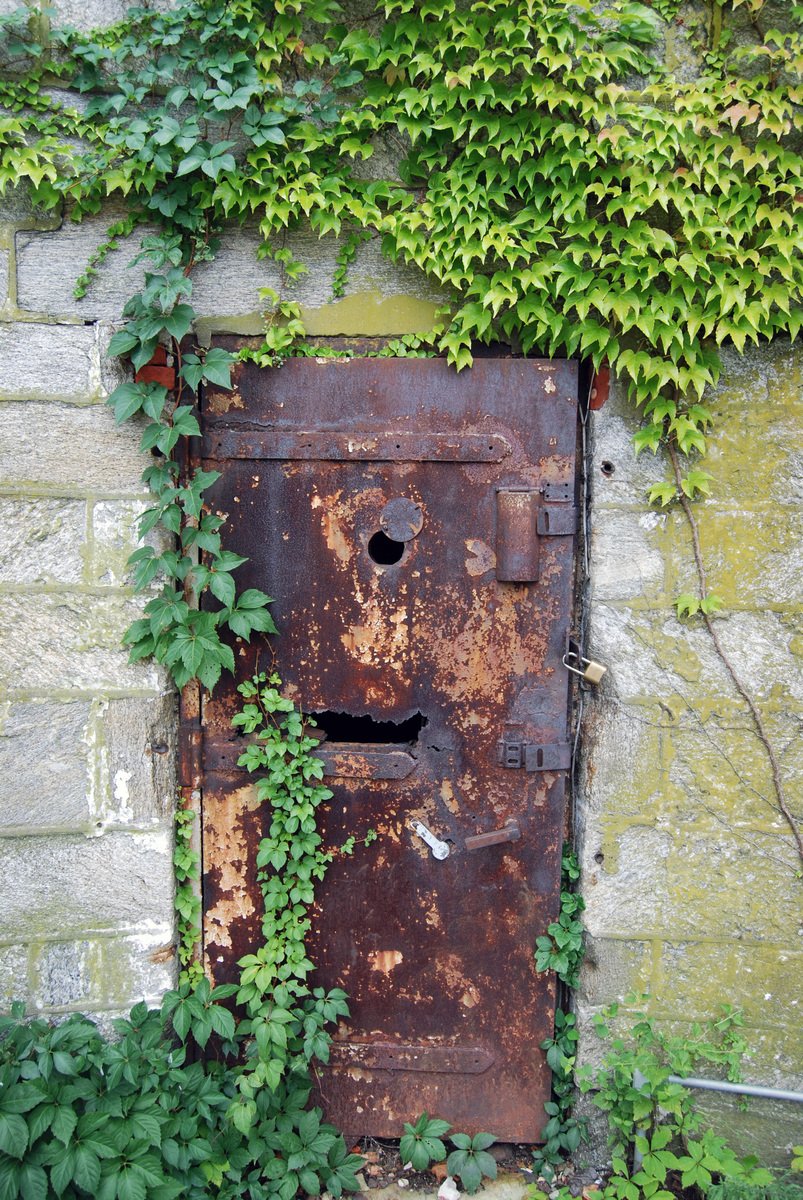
[(439, 849)]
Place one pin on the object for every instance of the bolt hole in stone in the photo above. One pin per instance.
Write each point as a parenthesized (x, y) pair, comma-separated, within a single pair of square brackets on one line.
[(607, 467), (384, 550), (343, 727), (599, 857)]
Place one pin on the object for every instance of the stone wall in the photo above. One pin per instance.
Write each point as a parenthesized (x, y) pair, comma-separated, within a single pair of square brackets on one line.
[(86, 741), (690, 875)]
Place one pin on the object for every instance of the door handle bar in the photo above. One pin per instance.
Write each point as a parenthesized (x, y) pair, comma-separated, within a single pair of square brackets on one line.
[(508, 833)]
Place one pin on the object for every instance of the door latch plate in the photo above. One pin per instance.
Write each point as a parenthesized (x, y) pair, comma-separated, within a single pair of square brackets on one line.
[(439, 849)]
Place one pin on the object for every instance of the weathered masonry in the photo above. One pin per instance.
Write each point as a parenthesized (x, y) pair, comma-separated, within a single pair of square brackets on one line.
[(689, 876)]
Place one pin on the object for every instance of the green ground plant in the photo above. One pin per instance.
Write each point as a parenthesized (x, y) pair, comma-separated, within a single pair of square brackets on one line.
[(657, 1137), (146, 1116)]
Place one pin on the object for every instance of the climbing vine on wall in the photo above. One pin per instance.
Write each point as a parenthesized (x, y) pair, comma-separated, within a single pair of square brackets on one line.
[(568, 194)]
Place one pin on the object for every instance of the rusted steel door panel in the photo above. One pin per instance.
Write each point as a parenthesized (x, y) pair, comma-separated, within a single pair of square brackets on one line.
[(415, 528)]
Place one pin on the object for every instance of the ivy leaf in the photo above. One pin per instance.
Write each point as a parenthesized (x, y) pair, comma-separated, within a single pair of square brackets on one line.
[(662, 493), (696, 481), (13, 1135), (687, 605), (222, 586), (122, 343)]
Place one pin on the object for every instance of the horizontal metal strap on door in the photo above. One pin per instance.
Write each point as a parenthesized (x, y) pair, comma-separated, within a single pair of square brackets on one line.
[(355, 761), (345, 760), (557, 520), (412, 1056), (347, 447)]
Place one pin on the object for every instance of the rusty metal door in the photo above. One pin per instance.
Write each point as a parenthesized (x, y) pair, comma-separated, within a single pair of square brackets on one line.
[(415, 527)]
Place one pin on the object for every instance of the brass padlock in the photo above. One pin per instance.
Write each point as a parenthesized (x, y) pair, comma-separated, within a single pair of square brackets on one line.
[(587, 669)]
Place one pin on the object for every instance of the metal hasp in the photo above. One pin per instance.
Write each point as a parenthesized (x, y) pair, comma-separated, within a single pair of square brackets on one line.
[(517, 556), (394, 510)]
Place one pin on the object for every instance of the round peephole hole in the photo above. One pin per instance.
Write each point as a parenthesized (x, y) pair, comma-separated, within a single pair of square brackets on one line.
[(385, 550)]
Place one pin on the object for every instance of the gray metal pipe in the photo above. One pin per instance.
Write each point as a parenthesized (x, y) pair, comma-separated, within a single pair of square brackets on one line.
[(740, 1089), (716, 1085)]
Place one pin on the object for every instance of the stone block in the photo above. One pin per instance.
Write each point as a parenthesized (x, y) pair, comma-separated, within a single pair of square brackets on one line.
[(98, 974), (230, 285), (69, 642), (612, 969), (623, 757), (89, 14), (47, 362), (650, 653), (66, 974), (114, 539), (764, 982), (139, 967), (98, 14), (43, 540), (766, 1128), (14, 983), (48, 264), (618, 476), (752, 556), (688, 884), (16, 206), (757, 407), (140, 737), (46, 770), (77, 886), (720, 775), (754, 450), (47, 447), (768, 1062), (624, 562), (4, 277)]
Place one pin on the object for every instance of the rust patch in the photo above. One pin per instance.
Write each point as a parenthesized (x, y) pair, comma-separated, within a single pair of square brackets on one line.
[(223, 402), (226, 846), (385, 960), (482, 559)]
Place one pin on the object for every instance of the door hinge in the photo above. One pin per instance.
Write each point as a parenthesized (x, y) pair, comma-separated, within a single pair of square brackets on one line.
[(554, 756), (190, 756)]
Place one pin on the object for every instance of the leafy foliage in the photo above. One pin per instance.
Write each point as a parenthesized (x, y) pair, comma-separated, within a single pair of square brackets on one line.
[(568, 194), (187, 903), (471, 1160), (147, 1118), (561, 948), (421, 1142), (656, 1116), (562, 951), (563, 1132), (143, 1117), (286, 1019), (571, 198)]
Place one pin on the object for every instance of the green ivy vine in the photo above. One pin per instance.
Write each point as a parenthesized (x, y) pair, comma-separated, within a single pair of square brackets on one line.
[(567, 193)]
